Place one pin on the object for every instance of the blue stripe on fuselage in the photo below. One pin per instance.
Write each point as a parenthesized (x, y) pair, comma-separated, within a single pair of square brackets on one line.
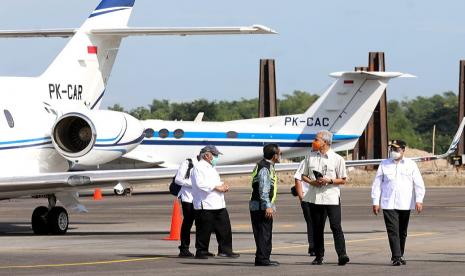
[(223, 143), (25, 141), (259, 136), (26, 146)]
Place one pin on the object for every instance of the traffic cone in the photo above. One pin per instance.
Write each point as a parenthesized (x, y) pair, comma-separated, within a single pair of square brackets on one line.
[(98, 194), (176, 221)]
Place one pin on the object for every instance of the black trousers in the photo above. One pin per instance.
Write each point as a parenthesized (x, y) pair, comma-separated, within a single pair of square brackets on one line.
[(208, 221), (262, 231), (319, 214), (308, 219), (187, 221), (396, 226)]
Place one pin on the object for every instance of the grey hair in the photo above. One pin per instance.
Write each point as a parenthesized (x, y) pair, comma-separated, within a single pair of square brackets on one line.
[(203, 154), (327, 136)]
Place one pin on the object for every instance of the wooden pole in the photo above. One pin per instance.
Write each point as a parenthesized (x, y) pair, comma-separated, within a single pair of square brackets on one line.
[(267, 102)]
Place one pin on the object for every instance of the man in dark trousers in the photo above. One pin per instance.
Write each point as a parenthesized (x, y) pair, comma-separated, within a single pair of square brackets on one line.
[(211, 214), (398, 188), (185, 194), (301, 188), (325, 171), (264, 190)]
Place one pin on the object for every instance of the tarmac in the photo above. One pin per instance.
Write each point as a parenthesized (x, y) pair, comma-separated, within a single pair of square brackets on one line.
[(124, 236)]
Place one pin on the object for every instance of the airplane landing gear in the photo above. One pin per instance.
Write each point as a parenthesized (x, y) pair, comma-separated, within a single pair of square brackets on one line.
[(53, 220), (39, 220)]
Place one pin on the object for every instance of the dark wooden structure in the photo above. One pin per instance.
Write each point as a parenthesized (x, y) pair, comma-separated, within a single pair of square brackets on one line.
[(461, 147), (373, 142), (267, 103)]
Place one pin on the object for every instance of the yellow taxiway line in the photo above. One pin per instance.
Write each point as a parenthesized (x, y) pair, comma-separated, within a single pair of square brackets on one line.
[(159, 258)]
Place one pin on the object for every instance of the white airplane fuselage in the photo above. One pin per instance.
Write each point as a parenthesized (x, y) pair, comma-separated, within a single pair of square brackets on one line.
[(27, 145), (25, 141), (344, 109), (239, 141)]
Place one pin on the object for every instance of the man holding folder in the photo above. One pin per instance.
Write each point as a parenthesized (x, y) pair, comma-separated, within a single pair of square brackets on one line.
[(325, 171)]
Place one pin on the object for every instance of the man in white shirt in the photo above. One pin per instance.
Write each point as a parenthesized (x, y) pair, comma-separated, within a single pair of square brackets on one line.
[(301, 188), (211, 214), (398, 188), (324, 194), (183, 178)]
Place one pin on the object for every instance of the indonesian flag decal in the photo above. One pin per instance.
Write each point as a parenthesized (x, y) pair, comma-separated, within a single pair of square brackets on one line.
[(92, 50), (348, 82)]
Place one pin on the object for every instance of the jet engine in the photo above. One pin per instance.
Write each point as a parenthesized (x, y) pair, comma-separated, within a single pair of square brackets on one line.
[(96, 137)]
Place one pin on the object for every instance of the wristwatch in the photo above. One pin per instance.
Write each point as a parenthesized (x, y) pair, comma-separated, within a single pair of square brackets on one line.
[(331, 181)]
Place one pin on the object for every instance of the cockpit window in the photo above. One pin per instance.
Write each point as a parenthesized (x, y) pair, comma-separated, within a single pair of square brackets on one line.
[(9, 118)]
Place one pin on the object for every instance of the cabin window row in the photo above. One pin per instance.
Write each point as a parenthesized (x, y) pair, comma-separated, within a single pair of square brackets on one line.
[(178, 133)]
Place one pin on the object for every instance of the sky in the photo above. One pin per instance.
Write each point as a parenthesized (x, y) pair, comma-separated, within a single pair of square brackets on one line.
[(424, 38)]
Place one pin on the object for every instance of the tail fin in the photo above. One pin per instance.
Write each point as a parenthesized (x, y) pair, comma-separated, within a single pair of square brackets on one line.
[(456, 140), (85, 63), (346, 107)]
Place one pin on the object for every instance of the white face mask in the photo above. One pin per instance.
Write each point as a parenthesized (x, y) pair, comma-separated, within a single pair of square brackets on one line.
[(396, 155)]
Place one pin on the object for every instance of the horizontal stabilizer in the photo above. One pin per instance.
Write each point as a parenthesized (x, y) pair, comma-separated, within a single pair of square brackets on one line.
[(139, 31), (374, 74)]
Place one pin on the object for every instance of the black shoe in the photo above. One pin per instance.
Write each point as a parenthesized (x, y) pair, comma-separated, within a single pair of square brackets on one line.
[(229, 255), (396, 262), (311, 252), (318, 261), (185, 253), (267, 263), (343, 259), (201, 256), (209, 254), (402, 260)]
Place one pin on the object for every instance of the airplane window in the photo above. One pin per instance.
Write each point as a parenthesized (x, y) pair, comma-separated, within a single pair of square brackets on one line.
[(149, 133), (178, 133), (9, 118), (163, 133), (231, 134)]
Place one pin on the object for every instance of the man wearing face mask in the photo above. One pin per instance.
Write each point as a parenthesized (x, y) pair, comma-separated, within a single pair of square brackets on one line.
[(325, 171), (210, 208), (398, 188), (261, 205)]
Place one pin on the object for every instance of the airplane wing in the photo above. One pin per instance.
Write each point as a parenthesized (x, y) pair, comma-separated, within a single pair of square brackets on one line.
[(50, 183), (451, 150), (65, 185), (139, 31)]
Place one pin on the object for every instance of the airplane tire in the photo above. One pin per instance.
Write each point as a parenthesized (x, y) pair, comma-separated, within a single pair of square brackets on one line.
[(58, 220), (39, 220)]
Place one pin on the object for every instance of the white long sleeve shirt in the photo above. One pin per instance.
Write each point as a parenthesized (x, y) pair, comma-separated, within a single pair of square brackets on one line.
[(298, 176), (398, 186), (186, 183), (204, 180)]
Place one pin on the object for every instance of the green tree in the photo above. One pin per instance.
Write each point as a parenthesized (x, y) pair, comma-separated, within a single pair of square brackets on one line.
[(141, 113), (160, 109), (296, 103), (398, 126), (116, 107)]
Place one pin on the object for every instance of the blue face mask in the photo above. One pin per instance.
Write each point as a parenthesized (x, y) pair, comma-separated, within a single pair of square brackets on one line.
[(214, 160)]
